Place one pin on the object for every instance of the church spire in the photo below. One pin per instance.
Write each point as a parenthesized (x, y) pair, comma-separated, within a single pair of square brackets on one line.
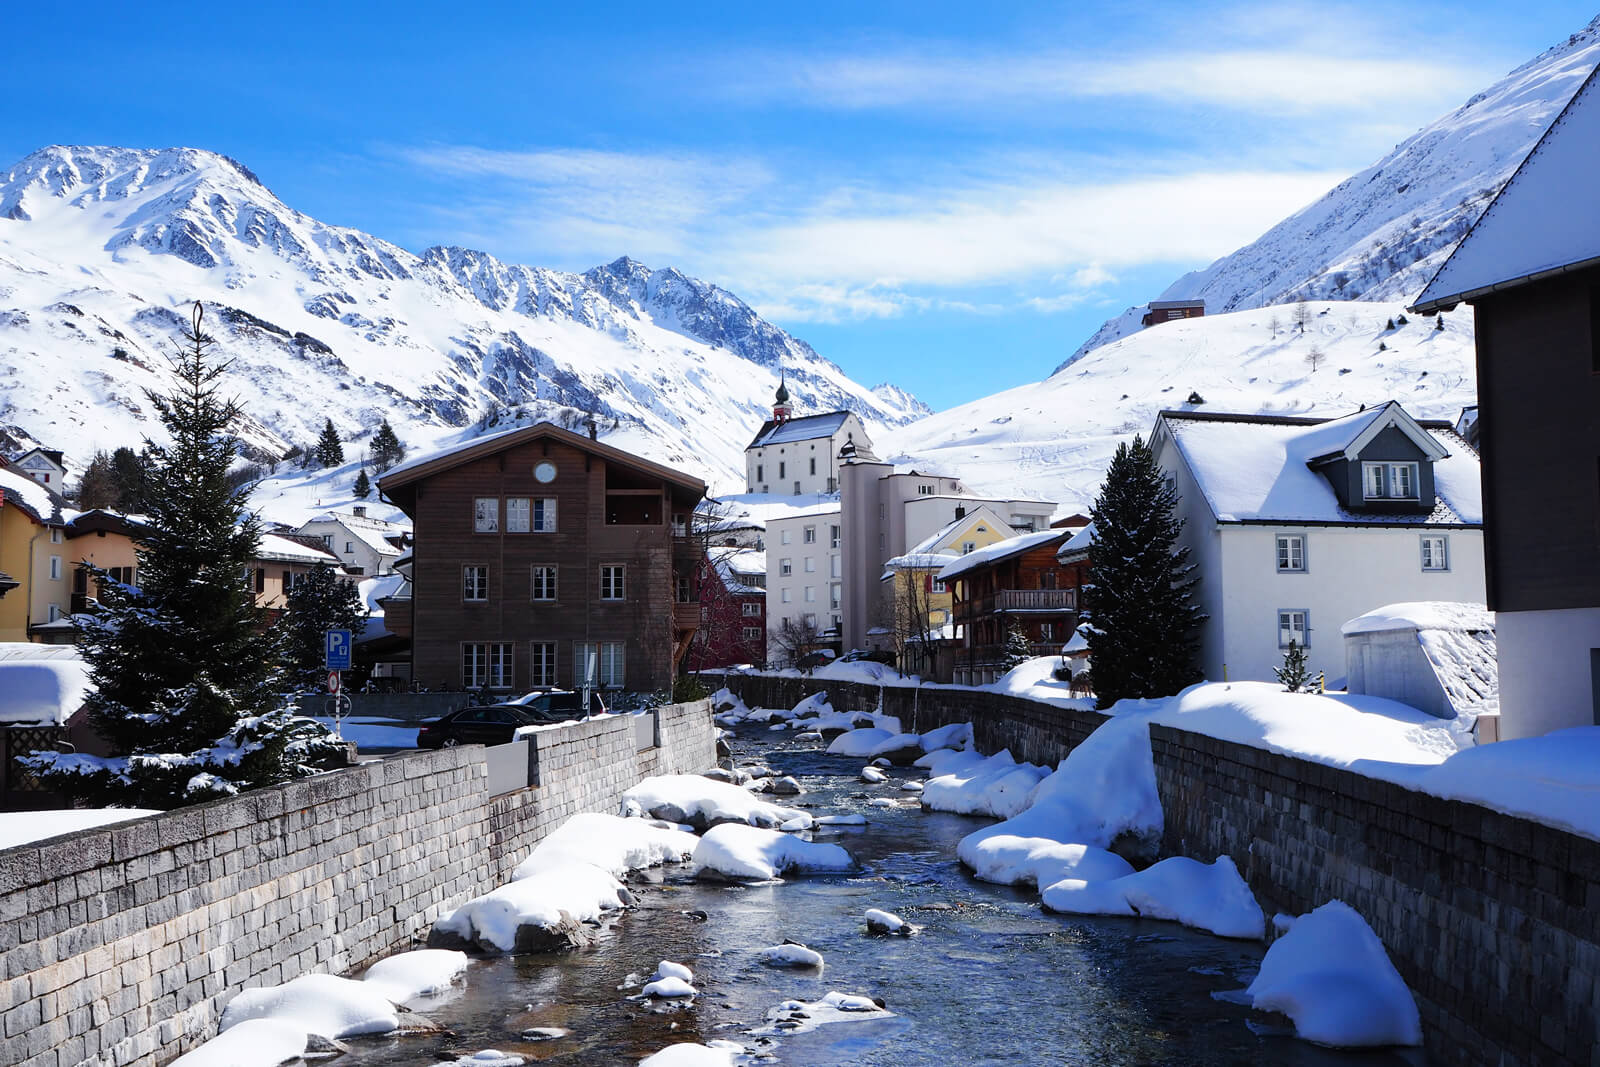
[(780, 405)]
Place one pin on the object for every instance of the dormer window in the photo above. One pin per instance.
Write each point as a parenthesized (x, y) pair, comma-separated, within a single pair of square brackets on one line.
[(1389, 481)]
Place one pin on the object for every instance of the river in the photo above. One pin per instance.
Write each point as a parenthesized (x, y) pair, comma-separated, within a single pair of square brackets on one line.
[(989, 979)]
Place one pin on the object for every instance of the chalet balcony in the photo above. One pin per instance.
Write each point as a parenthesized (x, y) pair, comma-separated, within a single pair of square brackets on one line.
[(686, 615), (1036, 600)]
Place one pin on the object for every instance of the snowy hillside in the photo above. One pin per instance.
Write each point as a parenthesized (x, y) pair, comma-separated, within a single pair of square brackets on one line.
[(1052, 439), (101, 249), (1382, 233)]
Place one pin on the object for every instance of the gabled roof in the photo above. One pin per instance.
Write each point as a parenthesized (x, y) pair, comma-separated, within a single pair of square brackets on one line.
[(39, 503), (1545, 220), (806, 428), (408, 474), (374, 533), (99, 519), (1001, 550), (288, 548), (1261, 468)]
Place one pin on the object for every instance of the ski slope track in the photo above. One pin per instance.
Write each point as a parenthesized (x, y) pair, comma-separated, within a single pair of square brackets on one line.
[(103, 249)]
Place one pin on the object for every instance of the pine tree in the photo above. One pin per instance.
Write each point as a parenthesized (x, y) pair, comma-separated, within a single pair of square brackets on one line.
[(98, 487), (1139, 604), (130, 469), (188, 690), (386, 448), (363, 487), (1294, 674), (1017, 649), (330, 453), (320, 601)]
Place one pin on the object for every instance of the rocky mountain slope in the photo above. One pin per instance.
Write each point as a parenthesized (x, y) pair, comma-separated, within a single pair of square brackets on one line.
[(103, 249), (1382, 233)]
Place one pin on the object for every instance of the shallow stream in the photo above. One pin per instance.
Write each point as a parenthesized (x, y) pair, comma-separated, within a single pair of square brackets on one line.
[(989, 979)]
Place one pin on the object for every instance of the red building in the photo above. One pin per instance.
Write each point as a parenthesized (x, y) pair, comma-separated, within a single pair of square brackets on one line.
[(733, 610)]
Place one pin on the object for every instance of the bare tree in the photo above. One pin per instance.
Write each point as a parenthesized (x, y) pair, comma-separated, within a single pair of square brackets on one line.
[(707, 586), (1314, 358), (1274, 324), (791, 639), (909, 607), (1302, 316)]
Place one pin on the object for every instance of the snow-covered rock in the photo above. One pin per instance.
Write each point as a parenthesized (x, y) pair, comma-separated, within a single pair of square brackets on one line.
[(747, 853), (1208, 897), (615, 844), (700, 802), (872, 775), (1332, 977), (886, 922), (790, 954), (670, 988), (1007, 859), (671, 969), (997, 786), (798, 1016), (407, 975), (543, 912), (688, 1054), (251, 1043), (859, 742), (322, 1004)]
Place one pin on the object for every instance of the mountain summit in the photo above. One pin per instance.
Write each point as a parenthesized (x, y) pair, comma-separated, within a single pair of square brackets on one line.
[(101, 248)]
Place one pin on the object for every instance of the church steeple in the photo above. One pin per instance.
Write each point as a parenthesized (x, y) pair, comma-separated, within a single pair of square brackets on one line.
[(780, 404)]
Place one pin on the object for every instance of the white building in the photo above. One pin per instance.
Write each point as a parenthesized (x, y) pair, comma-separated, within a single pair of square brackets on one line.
[(1297, 525), (800, 456), (884, 512), (366, 546), (805, 569), (45, 466)]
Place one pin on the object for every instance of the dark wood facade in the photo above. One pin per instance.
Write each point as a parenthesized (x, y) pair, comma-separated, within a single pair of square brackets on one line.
[(601, 572), (1029, 588)]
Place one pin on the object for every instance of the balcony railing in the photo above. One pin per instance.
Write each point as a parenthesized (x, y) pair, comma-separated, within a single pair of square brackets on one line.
[(686, 615), (1036, 600)]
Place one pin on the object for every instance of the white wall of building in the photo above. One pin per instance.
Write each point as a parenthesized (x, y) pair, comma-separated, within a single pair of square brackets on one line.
[(1547, 670), (800, 468), (813, 584)]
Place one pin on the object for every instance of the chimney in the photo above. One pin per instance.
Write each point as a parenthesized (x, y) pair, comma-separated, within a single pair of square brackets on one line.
[(360, 510), (594, 431), (961, 511)]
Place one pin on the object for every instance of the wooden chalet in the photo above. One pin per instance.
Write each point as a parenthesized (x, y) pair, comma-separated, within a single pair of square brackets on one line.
[(1018, 580), (538, 551)]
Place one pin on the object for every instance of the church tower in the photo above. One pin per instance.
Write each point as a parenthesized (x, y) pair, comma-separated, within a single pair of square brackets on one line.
[(780, 404)]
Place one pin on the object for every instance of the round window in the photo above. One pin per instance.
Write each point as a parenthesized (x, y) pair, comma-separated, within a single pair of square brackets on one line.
[(545, 472)]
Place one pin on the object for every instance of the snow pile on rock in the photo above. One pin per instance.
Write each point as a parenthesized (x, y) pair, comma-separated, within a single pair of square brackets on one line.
[(542, 912), (612, 843), (1331, 976), (1205, 896), (701, 802), (414, 974), (747, 853), (321, 1004), (1006, 859), (798, 1016), (998, 786), (714, 1054), (790, 954), (860, 742), (252, 1043), (489, 1057), (886, 922)]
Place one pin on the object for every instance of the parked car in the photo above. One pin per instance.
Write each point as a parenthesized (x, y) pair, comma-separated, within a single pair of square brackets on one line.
[(812, 660), (495, 724), (870, 655)]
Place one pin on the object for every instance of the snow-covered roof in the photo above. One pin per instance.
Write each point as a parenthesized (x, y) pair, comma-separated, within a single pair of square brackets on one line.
[(42, 690), (277, 547), (374, 533), (1546, 219), (1256, 468), (35, 499), (1077, 544), (805, 428), (1011, 546), (916, 561), (1458, 640), (1423, 615), (747, 563)]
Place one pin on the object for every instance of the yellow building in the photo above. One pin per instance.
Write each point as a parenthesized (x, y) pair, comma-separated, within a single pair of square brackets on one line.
[(916, 608), (35, 578)]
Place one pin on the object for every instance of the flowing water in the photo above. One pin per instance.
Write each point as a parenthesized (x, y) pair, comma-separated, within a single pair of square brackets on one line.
[(989, 979)]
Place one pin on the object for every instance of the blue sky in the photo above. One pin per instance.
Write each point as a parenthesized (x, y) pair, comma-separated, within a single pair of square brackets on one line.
[(951, 197)]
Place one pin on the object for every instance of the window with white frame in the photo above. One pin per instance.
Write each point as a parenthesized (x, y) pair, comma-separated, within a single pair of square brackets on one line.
[(474, 582), (542, 663), (55, 535), (1435, 552), (1294, 625), (608, 663), (833, 596), (544, 581), (809, 535), (750, 608), (349, 547), (924, 490), (544, 514), (612, 581), (936, 586), (1291, 552), (833, 536), (811, 622), (968, 546), (485, 664), (833, 567), (55, 613), (1389, 481), (797, 487), (518, 514), (785, 566), (752, 633), (486, 514)]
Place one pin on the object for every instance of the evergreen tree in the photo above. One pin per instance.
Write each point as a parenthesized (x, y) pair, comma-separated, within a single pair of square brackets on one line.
[(1294, 674), (1017, 649), (188, 690), (386, 448), (320, 601), (98, 488), (130, 467), (363, 487), (1142, 621), (330, 453)]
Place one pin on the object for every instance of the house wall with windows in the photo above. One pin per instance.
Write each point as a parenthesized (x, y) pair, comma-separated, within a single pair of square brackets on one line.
[(805, 573), (361, 542), (800, 456)]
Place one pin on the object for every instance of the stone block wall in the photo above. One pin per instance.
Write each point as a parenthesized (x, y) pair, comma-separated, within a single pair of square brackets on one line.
[(122, 945)]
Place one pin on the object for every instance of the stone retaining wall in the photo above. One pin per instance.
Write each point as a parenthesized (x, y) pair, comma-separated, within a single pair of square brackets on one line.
[(1492, 920), (121, 945)]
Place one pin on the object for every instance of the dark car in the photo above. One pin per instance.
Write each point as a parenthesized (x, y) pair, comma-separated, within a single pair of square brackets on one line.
[(870, 655), (494, 724), (812, 660), (559, 705)]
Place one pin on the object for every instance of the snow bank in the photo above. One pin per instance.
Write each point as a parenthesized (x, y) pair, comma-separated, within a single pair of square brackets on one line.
[(321, 1004), (42, 690), (549, 899), (716, 1054), (21, 827), (1006, 859), (1035, 679), (748, 853), (414, 974), (1205, 896), (614, 844), (1331, 976), (998, 786), (863, 670), (1553, 779), (251, 1043), (701, 802), (948, 761), (860, 743), (1103, 790)]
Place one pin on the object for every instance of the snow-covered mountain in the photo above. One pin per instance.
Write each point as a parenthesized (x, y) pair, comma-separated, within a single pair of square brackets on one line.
[(1052, 439), (102, 249), (1382, 233)]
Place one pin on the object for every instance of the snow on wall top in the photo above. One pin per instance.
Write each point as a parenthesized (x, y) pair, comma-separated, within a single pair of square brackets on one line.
[(1255, 469), (1546, 217)]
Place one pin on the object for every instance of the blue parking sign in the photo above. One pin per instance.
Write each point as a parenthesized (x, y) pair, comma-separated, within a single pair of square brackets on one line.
[(336, 649)]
